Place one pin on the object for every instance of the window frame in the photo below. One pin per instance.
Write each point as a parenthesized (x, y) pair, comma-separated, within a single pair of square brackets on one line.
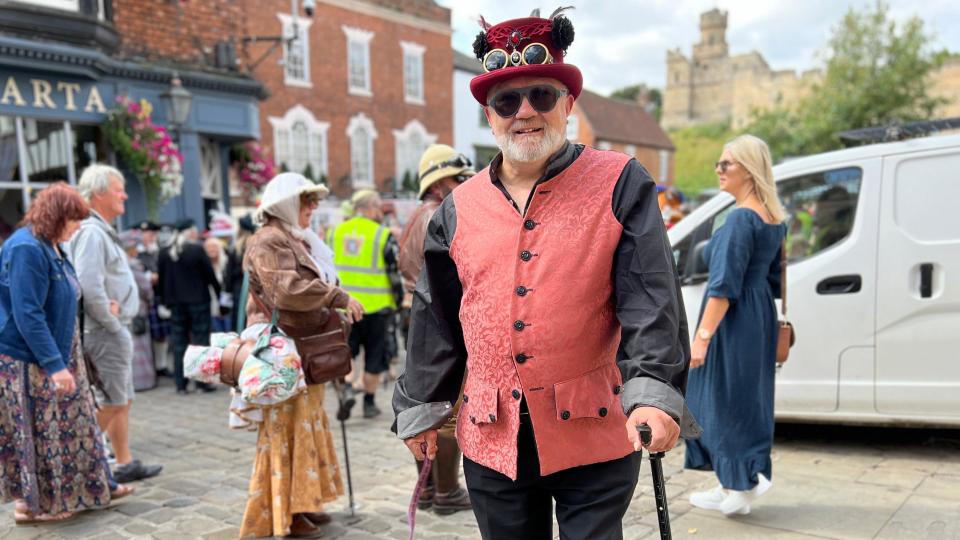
[(358, 36), (357, 123), (404, 155), (411, 51), (303, 31), (317, 140)]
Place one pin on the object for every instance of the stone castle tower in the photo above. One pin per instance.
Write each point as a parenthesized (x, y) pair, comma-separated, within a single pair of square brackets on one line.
[(712, 86)]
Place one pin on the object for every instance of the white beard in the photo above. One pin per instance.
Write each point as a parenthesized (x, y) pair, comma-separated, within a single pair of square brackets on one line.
[(515, 151)]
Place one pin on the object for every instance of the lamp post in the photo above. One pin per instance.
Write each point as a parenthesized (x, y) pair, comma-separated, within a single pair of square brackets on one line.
[(176, 103)]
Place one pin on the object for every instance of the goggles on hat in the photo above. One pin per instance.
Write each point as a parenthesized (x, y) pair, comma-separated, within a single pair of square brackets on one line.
[(460, 161), (542, 97), (532, 54)]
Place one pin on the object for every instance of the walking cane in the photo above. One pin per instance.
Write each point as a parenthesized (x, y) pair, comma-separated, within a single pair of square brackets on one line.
[(343, 412), (659, 489)]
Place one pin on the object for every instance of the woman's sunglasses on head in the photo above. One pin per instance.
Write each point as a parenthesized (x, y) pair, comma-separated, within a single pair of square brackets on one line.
[(542, 97)]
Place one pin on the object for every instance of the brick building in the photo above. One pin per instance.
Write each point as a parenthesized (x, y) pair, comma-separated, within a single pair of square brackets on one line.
[(360, 93), (63, 63), (624, 126)]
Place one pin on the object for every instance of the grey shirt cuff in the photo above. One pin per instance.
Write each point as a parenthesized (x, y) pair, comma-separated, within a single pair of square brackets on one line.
[(416, 420), (650, 392)]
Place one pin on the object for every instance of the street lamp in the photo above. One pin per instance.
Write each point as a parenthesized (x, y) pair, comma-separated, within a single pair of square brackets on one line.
[(176, 101)]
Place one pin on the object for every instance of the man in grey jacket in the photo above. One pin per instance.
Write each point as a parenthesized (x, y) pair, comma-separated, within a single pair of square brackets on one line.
[(110, 301)]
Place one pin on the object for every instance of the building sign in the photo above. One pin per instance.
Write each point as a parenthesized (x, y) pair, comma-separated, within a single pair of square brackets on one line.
[(31, 95)]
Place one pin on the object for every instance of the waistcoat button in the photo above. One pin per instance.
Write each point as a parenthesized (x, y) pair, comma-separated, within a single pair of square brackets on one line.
[(466, 398), (602, 411), (473, 420), (565, 415), (493, 418), (525, 255), (515, 394), (617, 389), (521, 358), (518, 325), (521, 291), (529, 224)]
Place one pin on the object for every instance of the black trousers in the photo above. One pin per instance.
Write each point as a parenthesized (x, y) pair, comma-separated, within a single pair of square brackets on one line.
[(189, 325), (591, 500), (370, 332)]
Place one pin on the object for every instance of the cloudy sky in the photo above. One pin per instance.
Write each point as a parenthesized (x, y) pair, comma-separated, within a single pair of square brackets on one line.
[(622, 42)]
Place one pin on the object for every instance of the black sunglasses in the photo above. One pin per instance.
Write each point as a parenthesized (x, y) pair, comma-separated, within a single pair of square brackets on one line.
[(723, 165), (458, 160), (542, 97)]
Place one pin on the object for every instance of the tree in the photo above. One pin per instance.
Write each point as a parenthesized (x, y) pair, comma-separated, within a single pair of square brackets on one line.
[(409, 184), (640, 93), (877, 72)]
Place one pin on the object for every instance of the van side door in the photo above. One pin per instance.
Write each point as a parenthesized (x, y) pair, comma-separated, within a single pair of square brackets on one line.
[(918, 298)]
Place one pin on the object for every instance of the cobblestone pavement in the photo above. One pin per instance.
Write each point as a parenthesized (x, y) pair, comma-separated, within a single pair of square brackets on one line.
[(829, 483)]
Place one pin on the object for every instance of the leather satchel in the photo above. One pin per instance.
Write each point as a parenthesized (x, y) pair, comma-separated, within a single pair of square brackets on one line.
[(786, 336), (231, 361), (324, 352)]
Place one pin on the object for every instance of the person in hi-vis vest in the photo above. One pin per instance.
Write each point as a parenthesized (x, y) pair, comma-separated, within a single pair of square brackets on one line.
[(365, 254)]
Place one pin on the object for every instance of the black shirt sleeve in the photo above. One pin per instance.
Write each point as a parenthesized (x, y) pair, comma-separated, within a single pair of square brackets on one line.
[(436, 354), (654, 351)]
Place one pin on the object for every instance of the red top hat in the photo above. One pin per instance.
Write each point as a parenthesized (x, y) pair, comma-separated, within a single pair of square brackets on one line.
[(504, 50)]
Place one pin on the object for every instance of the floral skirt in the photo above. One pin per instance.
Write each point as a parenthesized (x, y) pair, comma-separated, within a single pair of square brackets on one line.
[(51, 453), (296, 467)]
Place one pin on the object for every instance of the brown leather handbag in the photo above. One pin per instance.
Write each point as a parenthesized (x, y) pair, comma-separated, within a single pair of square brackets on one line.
[(324, 352), (232, 359), (786, 336)]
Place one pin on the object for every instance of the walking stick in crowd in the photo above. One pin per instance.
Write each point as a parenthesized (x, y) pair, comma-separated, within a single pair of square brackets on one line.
[(659, 488), (343, 412)]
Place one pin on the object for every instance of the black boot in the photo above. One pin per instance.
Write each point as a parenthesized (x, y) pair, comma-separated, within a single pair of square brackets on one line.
[(450, 496)]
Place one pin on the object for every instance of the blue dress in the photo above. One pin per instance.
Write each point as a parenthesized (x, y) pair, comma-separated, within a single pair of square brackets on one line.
[(731, 395)]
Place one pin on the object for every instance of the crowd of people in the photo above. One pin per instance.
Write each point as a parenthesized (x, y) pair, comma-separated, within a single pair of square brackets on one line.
[(539, 300)]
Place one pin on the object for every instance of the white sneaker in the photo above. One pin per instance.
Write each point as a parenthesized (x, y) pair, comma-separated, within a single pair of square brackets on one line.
[(708, 500), (736, 502)]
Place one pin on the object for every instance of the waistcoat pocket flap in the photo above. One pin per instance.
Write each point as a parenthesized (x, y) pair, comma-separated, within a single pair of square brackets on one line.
[(480, 403), (590, 395)]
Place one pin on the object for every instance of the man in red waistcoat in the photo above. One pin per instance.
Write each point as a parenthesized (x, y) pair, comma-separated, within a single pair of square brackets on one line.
[(550, 282)]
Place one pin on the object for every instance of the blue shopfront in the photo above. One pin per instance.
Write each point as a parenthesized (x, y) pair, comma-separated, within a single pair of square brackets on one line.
[(54, 98)]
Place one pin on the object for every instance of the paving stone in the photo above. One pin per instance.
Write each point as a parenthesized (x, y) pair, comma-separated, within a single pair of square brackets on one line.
[(162, 515), (198, 526), (181, 502), (230, 533), (213, 512), (140, 529), (135, 508), (374, 525)]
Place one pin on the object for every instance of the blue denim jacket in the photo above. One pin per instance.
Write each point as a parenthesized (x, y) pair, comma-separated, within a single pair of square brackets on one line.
[(38, 303)]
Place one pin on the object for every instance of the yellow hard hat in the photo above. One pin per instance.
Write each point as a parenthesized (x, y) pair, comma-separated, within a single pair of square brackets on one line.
[(440, 161)]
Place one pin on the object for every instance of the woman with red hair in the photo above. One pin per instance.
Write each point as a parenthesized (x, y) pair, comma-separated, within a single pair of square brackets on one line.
[(50, 466)]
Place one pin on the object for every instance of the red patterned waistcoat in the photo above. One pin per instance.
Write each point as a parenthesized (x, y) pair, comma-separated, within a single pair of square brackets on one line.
[(539, 319)]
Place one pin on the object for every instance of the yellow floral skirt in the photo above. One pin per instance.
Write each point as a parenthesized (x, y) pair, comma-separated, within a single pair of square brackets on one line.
[(296, 466)]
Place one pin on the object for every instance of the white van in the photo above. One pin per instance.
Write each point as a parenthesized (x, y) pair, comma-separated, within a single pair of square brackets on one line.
[(873, 282)]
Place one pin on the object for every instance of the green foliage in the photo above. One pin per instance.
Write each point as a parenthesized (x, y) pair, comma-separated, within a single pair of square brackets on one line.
[(308, 173), (698, 148), (409, 183), (877, 72), (634, 91)]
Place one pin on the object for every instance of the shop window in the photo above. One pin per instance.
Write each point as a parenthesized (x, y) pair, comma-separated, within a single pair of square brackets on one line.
[(300, 142), (211, 170), (48, 150), (630, 150), (411, 141), (358, 61), (413, 72), (362, 134), (603, 145), (296, 52)]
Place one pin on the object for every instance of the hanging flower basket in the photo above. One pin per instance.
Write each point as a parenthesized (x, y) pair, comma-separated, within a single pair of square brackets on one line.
[(147, 150), (254, 168)]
